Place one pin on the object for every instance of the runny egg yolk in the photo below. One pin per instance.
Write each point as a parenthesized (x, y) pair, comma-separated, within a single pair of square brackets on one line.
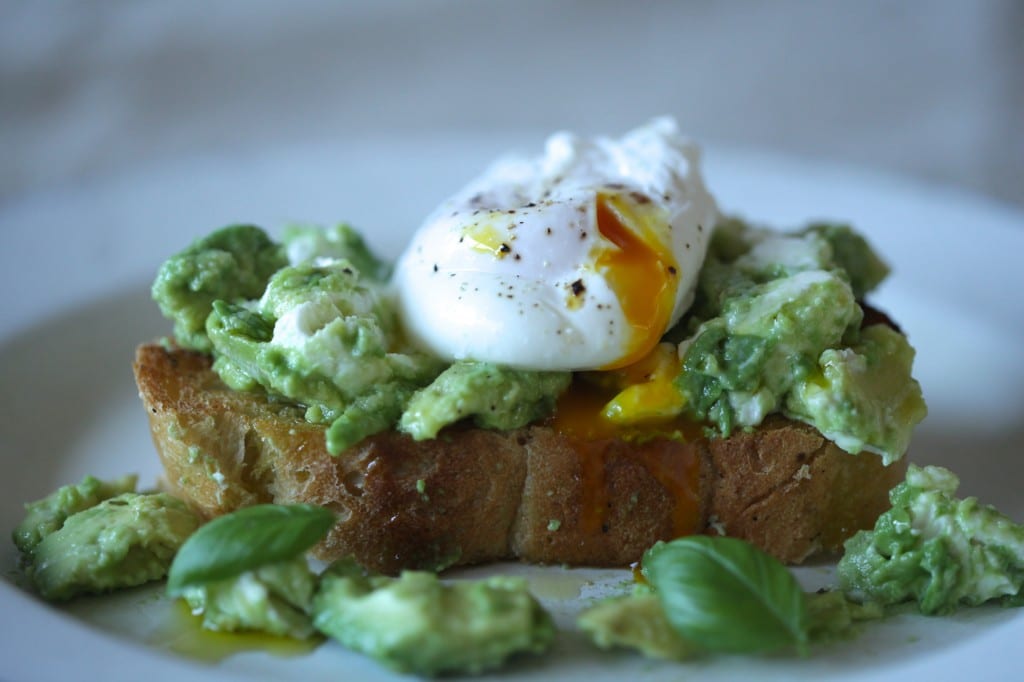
[(591, 415), (648, 389), (641, 269), (640, 400)]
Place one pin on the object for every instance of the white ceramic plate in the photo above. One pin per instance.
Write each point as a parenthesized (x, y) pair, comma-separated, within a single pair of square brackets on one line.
[(75, 270)]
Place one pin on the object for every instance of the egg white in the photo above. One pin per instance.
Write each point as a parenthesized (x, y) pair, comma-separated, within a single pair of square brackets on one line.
[(517, 268)]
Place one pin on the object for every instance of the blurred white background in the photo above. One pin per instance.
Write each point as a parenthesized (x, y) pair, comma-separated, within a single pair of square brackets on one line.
[(930, 89)]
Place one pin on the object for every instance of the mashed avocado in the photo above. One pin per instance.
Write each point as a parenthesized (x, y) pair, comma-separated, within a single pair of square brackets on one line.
[(306, 243), (47, 515), (636, 621), (495, 397), (322, 336), (123, 541), (322, 331), (777, 327), (935, 549), (247, 570), (274, 598), (640, 621), (417, 624), (231, 264), (862, 397)]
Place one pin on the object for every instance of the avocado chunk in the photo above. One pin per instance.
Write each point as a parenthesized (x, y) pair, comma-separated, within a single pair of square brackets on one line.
[(776, 326), (738, 367), (124, 541), (339, 242), (417, 624), (852, 253), (494, 396), (636, 621), (863, 397), (273, 598), (47, 515), (935, 549), (231, 264), (322, 336)]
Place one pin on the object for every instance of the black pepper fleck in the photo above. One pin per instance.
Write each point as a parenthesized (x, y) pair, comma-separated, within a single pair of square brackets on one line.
[(577, 287)]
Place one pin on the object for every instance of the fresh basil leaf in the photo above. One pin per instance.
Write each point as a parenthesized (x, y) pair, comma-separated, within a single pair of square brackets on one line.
[(726, 595), (246, 539)]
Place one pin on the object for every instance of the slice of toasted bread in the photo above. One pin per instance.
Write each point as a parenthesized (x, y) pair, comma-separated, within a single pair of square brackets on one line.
[(474, 495)]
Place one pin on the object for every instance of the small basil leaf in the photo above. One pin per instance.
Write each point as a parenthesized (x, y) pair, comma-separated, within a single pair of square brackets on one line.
[(246, 539), (726, 595)]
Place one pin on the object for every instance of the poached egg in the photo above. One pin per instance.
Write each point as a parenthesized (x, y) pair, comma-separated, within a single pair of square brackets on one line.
[(578, 259)]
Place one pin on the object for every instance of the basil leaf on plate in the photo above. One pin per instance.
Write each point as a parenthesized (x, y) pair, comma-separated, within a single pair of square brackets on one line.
[(726, 595), (246, 539)]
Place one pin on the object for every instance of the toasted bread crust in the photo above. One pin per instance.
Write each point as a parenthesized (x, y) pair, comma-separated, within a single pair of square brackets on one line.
[(474, 495)]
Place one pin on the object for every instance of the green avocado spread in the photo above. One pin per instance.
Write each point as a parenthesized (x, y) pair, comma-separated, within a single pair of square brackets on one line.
[(935, 549), (47, 515), (273, 598), (99, 536), (776, 327), (418, 624)]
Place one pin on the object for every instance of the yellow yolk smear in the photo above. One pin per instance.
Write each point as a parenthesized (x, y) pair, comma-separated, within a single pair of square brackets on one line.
[(486, 238), (631, 403), (648, 391), (641, 271), (633, 415)]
